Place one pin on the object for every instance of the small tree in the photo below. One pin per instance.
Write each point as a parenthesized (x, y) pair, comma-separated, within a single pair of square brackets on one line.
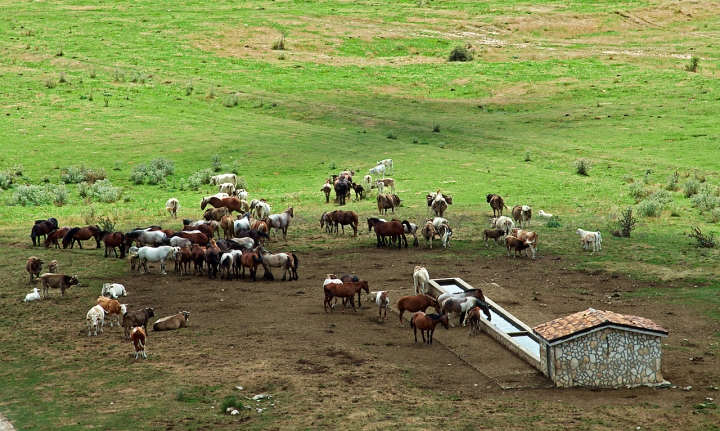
[(625, 225), (582, 166), (703, 240)]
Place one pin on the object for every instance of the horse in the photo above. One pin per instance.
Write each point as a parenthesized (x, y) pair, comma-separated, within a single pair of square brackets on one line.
[(231, 203), (84, 233), (112, 241), (342, 218), (416, 303), (344, 290), (260, 209), (427, 322), (459, 305), (260, 226), (326, 222), (195, 236), (216, 213), (257, 236), (327, 188), (212, 258), (382, 301), (393, 229), (56, 235), (228, 226), (206, 228), (144, 237), (342, 187), (251, 259), (197, 256), (473, 320), (42, 228), (172, 206), (287, 261), (349, 279), (159, 254), (281, 221)]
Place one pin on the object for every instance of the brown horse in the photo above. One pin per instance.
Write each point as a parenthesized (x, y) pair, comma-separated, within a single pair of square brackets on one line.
[(393, 229), (56, 235), (194, 235), (257, 236), (113, 241), (42, 228), (232, 204), (183, 260), (216, 214), (344, 290), (81, 234), (251, 259), (427, 322), (204, 228), (212, 258), (416, 303), (473, 320), (260, 226), (342, 218), (197, 255), (228, 226)]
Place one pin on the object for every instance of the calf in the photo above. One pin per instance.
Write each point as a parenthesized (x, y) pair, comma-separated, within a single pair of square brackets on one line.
[(56, 281), (139, 339), (388, 182), (526, 235), (495, 234), (32, 296), (137, 318), (95, 320), (53, 267), (113, 290), (170, 323), (518, 246), (112, 308), (34, 266)]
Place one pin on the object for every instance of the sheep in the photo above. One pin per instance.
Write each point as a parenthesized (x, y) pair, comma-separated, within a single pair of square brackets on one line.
[(495, 234), (32, 296), (170, 323), (172, 206), (522, 215)]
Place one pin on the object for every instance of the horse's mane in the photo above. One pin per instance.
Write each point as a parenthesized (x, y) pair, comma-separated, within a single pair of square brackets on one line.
[(70, 234)]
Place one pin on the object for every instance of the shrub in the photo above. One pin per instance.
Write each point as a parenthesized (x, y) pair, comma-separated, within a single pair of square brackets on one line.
[(649, 208), (637, 190), (231, 100), (646, 176), (705, 202), (31, 195), (17, 170), (104, 223), (118, 75), (103, 191), (63, 79), (75, 175), (242, 183), (693, 65), (672, 183), (441, 144), (663, 197), (625, 225), (627, 178), (216, 162), (138, 78), (6, 179), (235, 167), (88, 214), (279, 44), (84, 189), (199, 178), (50, 83), (582, 166), (153, 172), (436, 127), (93, 74), (691, 187), (553, 222), (162, 164), (703, 240), (228, 402), (460, 53), (59, 192), (527, 156), (713, 216), (391, 135), (118, 165), (189, 88)]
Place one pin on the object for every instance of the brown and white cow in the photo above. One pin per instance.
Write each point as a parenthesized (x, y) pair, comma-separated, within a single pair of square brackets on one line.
[(139, 339), (113, 308), (34, 266), (518, 246), (527, 235)]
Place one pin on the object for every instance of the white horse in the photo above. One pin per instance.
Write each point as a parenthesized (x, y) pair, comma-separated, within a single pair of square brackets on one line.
[(113, 290), (388, 163), (383, 302), (146, 237), (421, 278), (260, 209), (243, 223), (172, 206), (281, 221), (379, 170), (241, 194), (160, 254)]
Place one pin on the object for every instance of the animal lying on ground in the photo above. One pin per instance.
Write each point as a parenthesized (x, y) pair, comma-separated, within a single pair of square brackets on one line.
[(113, 290), (542, 213), (32, 296), (56, 281), (173, 322)]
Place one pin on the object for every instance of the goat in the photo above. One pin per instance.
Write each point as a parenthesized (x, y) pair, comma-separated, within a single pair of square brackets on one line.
[(34, 266), (240, 194), (32, 296), (421, 278), (522, 215), (526, 235), (444, 232), (495, 234), (170, 323), (428, 232)]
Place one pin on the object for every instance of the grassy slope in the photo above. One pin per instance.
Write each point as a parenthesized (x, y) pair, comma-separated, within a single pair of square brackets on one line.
[(562, 81)]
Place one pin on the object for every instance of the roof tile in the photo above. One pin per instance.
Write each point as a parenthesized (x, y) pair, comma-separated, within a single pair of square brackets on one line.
[(590, 318)]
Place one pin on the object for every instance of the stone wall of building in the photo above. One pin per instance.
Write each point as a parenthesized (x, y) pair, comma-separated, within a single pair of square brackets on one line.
[(607, 358)]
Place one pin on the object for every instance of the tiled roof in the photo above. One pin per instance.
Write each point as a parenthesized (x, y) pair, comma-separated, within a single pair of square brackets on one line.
[(587, 320)]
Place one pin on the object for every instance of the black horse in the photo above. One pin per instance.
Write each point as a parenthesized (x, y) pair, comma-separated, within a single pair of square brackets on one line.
[(42, 228), (342, 188)]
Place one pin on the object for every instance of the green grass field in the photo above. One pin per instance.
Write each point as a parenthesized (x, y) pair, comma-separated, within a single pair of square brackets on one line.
[(111, 85)]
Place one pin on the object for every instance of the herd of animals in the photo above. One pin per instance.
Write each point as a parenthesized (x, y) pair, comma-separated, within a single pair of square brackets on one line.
[(243, 246)]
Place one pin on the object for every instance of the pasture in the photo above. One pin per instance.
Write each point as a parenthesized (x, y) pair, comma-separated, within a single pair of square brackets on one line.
[(112, 86)]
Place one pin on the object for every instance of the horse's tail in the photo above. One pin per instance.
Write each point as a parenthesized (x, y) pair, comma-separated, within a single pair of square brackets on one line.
[(407, 224), (412, 321), (295, 261), (260, 258)]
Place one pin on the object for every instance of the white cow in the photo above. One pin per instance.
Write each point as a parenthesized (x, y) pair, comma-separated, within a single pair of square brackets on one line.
[(95, 320), (388, 163), (224, 178), (421, 278), (32, 296), (379, 170), (588, 238), (503, 223), (228, 188), (113, 290)]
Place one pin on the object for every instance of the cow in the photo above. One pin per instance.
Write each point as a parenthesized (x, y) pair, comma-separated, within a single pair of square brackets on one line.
[(502, 222), (173, 322), (95, 319), (495, 234), (518, 246), (224, 178), (56, 281), (34, 266), (113, 290), (588, 239), (137, 318), (388, 163), (388, 201), (112, 308), (139, 338), (522, 215), (526, 235), (379, 169), (497, 203)]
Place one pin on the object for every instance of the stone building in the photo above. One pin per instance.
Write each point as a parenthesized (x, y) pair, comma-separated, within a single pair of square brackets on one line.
[(601, 349)]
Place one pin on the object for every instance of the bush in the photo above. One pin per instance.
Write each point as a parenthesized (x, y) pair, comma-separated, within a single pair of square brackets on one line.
[(627, 178), (189, 88), (242, 183), (103, 191), (231, 100), (672, 183), (625, 224), (50, 83), (60, 193), (17, 170), (637, 190), (216, 162), (88, 214), (138, 78), (713, 216), (527, 156), (705, 202), (84, 189), (199, 178), (162, 164), (663, 197), (691, 187), (31, 195), (235, 167), (73, 174), (391, 135), (553, 222), (460, 53), (582, 166), (6, 179), (436, 127), (279, 45), (104, 223), (693, 65), (649, 208), (703, 240), (118, 75), (153, 172)]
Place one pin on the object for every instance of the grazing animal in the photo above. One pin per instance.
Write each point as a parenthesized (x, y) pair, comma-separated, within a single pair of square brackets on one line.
[(342, 218), (228, 226), (78, 234), (526, 235), (95, 320), (460, 306), (327, 188), (393, 229), (388, 182), (439, 205), (173, 322), (53, 267), (228, 188), (139, 339), (132, 251), (281, 221), (197, 255), (378, 170), (251, 259), (159, 254), (42, 228), (473, 320), (143, 237), (522, 215), (429, 232), (113, 241), (504, 223), (359, 191), (387, 201), (54, 236), (231, 203), (421, 278), (213, 253), (209, 228), (518, 245), (415, 303), (590, 239), (542, 213), (342, 189), (260, 209), (216, 180), (344, 290), (380, 186), (57, 281), (326, 222), (135, 318), (495, 234), (32, 296), (34, 266), (427, 322), (112, 308), (382, 301), (113, 290), (497, 203), (172, 206), (388, 163), (287, 261), (216, 214)]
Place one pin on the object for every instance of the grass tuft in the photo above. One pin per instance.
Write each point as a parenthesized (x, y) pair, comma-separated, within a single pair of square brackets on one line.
[(460, 53), (582, 167), (693, 65)]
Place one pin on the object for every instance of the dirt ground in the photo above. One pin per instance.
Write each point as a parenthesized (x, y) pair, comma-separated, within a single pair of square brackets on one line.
[(275, 335)]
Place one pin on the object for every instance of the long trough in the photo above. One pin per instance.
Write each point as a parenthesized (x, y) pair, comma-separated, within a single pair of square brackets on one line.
[(505, 328)]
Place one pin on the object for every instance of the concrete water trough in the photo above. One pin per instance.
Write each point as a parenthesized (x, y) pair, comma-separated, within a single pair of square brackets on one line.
[(505, 328)]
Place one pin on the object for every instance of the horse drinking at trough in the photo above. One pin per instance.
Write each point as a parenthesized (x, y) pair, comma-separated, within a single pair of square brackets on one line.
[(427, 322), (460, 306)]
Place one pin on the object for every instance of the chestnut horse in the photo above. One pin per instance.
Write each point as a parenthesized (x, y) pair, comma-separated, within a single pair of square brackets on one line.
[(81, 234), (56, 235), (195, 236), (416, 303), (206, 229), (232, 204), (260, 226), (342, 218), (344, 290), (427, 322), (112, 241), (394, 229), (251, 259), (197, 255)]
